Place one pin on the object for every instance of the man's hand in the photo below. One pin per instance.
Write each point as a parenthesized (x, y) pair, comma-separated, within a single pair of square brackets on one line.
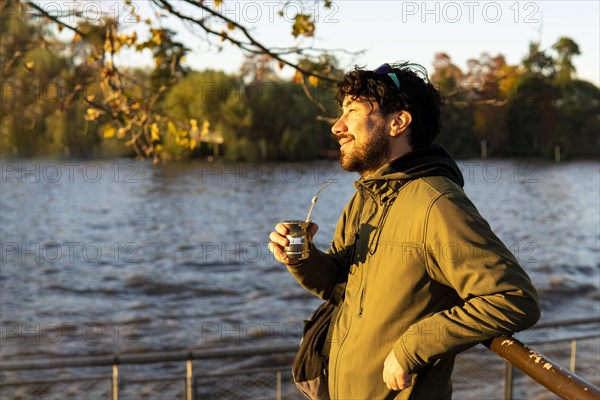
[(393, 375), (279, 241)]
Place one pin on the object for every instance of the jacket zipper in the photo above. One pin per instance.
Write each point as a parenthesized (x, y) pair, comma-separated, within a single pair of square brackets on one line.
[(362, 300)]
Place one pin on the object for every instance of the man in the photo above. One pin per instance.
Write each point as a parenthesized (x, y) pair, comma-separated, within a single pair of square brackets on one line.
[(426, 277)]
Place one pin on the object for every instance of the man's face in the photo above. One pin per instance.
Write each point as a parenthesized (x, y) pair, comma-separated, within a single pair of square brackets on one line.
[(363, 136)]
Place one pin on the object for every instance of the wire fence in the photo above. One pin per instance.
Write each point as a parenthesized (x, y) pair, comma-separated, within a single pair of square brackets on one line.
[(478, 374)]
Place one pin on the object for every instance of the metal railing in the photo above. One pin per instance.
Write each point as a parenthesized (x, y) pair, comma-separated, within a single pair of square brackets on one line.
[(273, 382)]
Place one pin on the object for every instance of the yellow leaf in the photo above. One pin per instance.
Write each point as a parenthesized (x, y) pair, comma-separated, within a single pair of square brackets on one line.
[(92, 114), (158, 148), (29, 65), (205, 126), (193, 144), (194, 123), (108, 131), (121, 133), (172, 128), (218, 3), (313, 80), (155, 137)]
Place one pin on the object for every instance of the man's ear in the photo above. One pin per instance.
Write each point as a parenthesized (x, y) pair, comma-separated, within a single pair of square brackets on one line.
[(400, 123)]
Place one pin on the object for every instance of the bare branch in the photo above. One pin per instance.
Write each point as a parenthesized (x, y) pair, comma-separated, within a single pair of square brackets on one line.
[(310, 97), (52, 17), (252, 46)]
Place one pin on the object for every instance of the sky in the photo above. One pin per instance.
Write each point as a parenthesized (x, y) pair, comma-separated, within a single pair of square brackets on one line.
[(391, 30)]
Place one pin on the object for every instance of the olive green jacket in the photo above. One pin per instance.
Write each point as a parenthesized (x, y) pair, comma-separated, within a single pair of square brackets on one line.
[(426, 277)]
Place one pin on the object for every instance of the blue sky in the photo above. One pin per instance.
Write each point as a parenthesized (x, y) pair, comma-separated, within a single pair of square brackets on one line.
[(389, 30)]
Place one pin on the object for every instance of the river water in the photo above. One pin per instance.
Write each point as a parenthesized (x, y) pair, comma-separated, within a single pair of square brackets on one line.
[(119, 256)]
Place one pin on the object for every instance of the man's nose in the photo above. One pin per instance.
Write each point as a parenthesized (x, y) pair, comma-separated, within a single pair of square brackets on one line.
[(339, 127)]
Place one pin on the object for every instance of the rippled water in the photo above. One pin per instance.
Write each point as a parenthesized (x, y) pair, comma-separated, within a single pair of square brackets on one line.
[(99, 257)]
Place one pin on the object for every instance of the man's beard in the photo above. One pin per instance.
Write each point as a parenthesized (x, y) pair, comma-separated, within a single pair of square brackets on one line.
[(368, 156)]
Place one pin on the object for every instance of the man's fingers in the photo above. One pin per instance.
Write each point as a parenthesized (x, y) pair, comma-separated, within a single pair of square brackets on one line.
[(277, 238), (312, 229), (281, 229), (277, 251)]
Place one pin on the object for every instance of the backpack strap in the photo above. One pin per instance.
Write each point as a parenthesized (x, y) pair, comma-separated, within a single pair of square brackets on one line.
[(336, 300)]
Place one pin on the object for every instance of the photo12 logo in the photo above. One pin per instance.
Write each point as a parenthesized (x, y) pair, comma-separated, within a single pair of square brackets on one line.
[(69, 252), (69, 172), (253, 12), (71, 12), (470, 11), (55, 332)]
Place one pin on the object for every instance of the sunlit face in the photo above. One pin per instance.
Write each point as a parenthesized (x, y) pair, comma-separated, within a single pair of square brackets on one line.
[(363, 136)]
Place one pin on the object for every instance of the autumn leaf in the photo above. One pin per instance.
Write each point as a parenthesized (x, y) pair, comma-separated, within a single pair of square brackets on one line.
[(303, 25), (29, 65), (297, 78), (154, 136), (108, 131), (92, 114), (205, 128), (108, 45), (218, 3), (172, 128), (193, 144), (313, 81)]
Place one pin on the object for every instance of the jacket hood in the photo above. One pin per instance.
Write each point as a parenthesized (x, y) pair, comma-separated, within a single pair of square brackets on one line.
[(431, 161)]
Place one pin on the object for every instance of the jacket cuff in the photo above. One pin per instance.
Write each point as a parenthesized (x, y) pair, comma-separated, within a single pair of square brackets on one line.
[(408, 363)]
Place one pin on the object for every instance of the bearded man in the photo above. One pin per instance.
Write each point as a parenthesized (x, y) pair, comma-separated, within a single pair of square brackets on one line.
[(426, 278)]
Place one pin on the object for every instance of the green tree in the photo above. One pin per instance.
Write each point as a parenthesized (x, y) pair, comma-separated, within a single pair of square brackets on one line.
[(579, 114), (566, 49)]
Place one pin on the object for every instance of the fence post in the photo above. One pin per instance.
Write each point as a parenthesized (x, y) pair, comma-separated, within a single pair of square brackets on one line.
[(573, 354), (188, 379), (115, 381), (278, 385), (508, 380)]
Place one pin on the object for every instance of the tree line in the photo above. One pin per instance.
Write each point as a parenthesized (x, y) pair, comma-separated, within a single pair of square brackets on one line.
[(68, 98)]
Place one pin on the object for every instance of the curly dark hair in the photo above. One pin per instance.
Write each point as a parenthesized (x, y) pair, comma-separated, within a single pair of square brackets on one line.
[(416, 94)]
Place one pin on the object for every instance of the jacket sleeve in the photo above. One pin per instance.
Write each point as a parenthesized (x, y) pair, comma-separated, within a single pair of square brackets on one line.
[(323, 270), (461, 251)]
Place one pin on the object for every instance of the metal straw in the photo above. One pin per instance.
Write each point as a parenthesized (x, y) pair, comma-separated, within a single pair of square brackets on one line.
[(314, 199)]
